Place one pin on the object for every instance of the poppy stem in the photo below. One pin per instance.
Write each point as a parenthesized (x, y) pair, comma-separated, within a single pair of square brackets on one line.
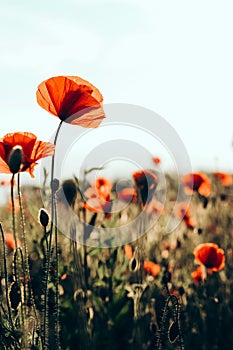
[(49, 256), (27, 276), (19, 260), (13, 210), (85, 251), (6, 277)]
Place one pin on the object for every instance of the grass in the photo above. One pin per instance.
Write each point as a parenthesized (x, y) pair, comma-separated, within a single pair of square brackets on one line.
[(106, 299)]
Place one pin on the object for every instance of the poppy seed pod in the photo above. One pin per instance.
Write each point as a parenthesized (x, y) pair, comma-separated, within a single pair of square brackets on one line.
[(43, 217), (15, 159)]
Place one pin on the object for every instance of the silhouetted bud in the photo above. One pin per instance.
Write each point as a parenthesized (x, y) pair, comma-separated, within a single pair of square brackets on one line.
[(134, 264), (223, 196), (167, 276), (173, 332), (181, 290), (43, 217), (15, 159), (15, 295), (70, 190)]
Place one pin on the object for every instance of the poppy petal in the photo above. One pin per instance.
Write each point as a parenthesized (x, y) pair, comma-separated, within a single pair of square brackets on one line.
[(72, 99)]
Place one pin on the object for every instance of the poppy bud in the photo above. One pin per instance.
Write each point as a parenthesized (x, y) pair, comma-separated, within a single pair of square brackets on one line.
[(223, 196), (55, 185), (15, 295), (70, 191), (134, 264), (43, 217), (15, 159)]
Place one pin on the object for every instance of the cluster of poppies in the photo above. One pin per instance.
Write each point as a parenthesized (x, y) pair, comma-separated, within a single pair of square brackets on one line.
[(73, 100)]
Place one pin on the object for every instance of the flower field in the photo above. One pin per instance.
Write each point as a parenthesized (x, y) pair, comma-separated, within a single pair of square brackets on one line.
[(102, 264)]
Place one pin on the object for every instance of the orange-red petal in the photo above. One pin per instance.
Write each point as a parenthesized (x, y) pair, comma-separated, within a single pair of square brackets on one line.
[(152, 268), (210, 255), (197, 182), (72, 99), (224, 178)]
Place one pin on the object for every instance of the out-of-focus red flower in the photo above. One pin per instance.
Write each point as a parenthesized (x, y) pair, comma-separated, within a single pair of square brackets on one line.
[(198, 182), (128, 251), (224, 178), (210, 255), (32, 151), (128, 194), (182, 210), (155, 208), (99, 205), (72, 99), (151, 268), (98, 197), (10, 242), (146, 181), (103, 187), (197, 275), (156, 160)]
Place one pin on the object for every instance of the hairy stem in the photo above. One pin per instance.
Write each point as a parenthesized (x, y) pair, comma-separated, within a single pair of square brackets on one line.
[(48, 260)]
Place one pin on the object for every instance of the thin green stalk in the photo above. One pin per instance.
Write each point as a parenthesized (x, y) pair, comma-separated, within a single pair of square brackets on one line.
[(6, 277), (25, 253), (56, 277), (13, 210), (15, 265), (46, 316), (85, 251)]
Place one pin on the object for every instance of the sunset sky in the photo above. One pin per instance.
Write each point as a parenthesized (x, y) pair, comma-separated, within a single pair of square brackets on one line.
[(172, 57)]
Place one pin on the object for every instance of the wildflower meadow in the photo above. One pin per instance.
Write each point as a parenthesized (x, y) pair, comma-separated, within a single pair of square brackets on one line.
[(109, 264)]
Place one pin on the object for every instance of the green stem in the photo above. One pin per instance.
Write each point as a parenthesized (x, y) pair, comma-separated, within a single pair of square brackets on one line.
[(25, 253), (17, 279), (6, 277), (56, 278), (85, 251), (13, 210), (49, 255)]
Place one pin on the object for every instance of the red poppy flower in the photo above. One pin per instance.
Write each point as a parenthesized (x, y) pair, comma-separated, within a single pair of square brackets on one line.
[(32, 151), (146, 182), (182, 210), (156, 160), (224, 178), (152, 268), (103, 187), (155, 208), (197, 182), (210, 255), (10, 242), (72, 99), (128, 194), (98, 197)]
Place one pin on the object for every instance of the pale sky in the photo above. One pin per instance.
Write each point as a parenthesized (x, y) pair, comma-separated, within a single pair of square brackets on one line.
[(173, 57)]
